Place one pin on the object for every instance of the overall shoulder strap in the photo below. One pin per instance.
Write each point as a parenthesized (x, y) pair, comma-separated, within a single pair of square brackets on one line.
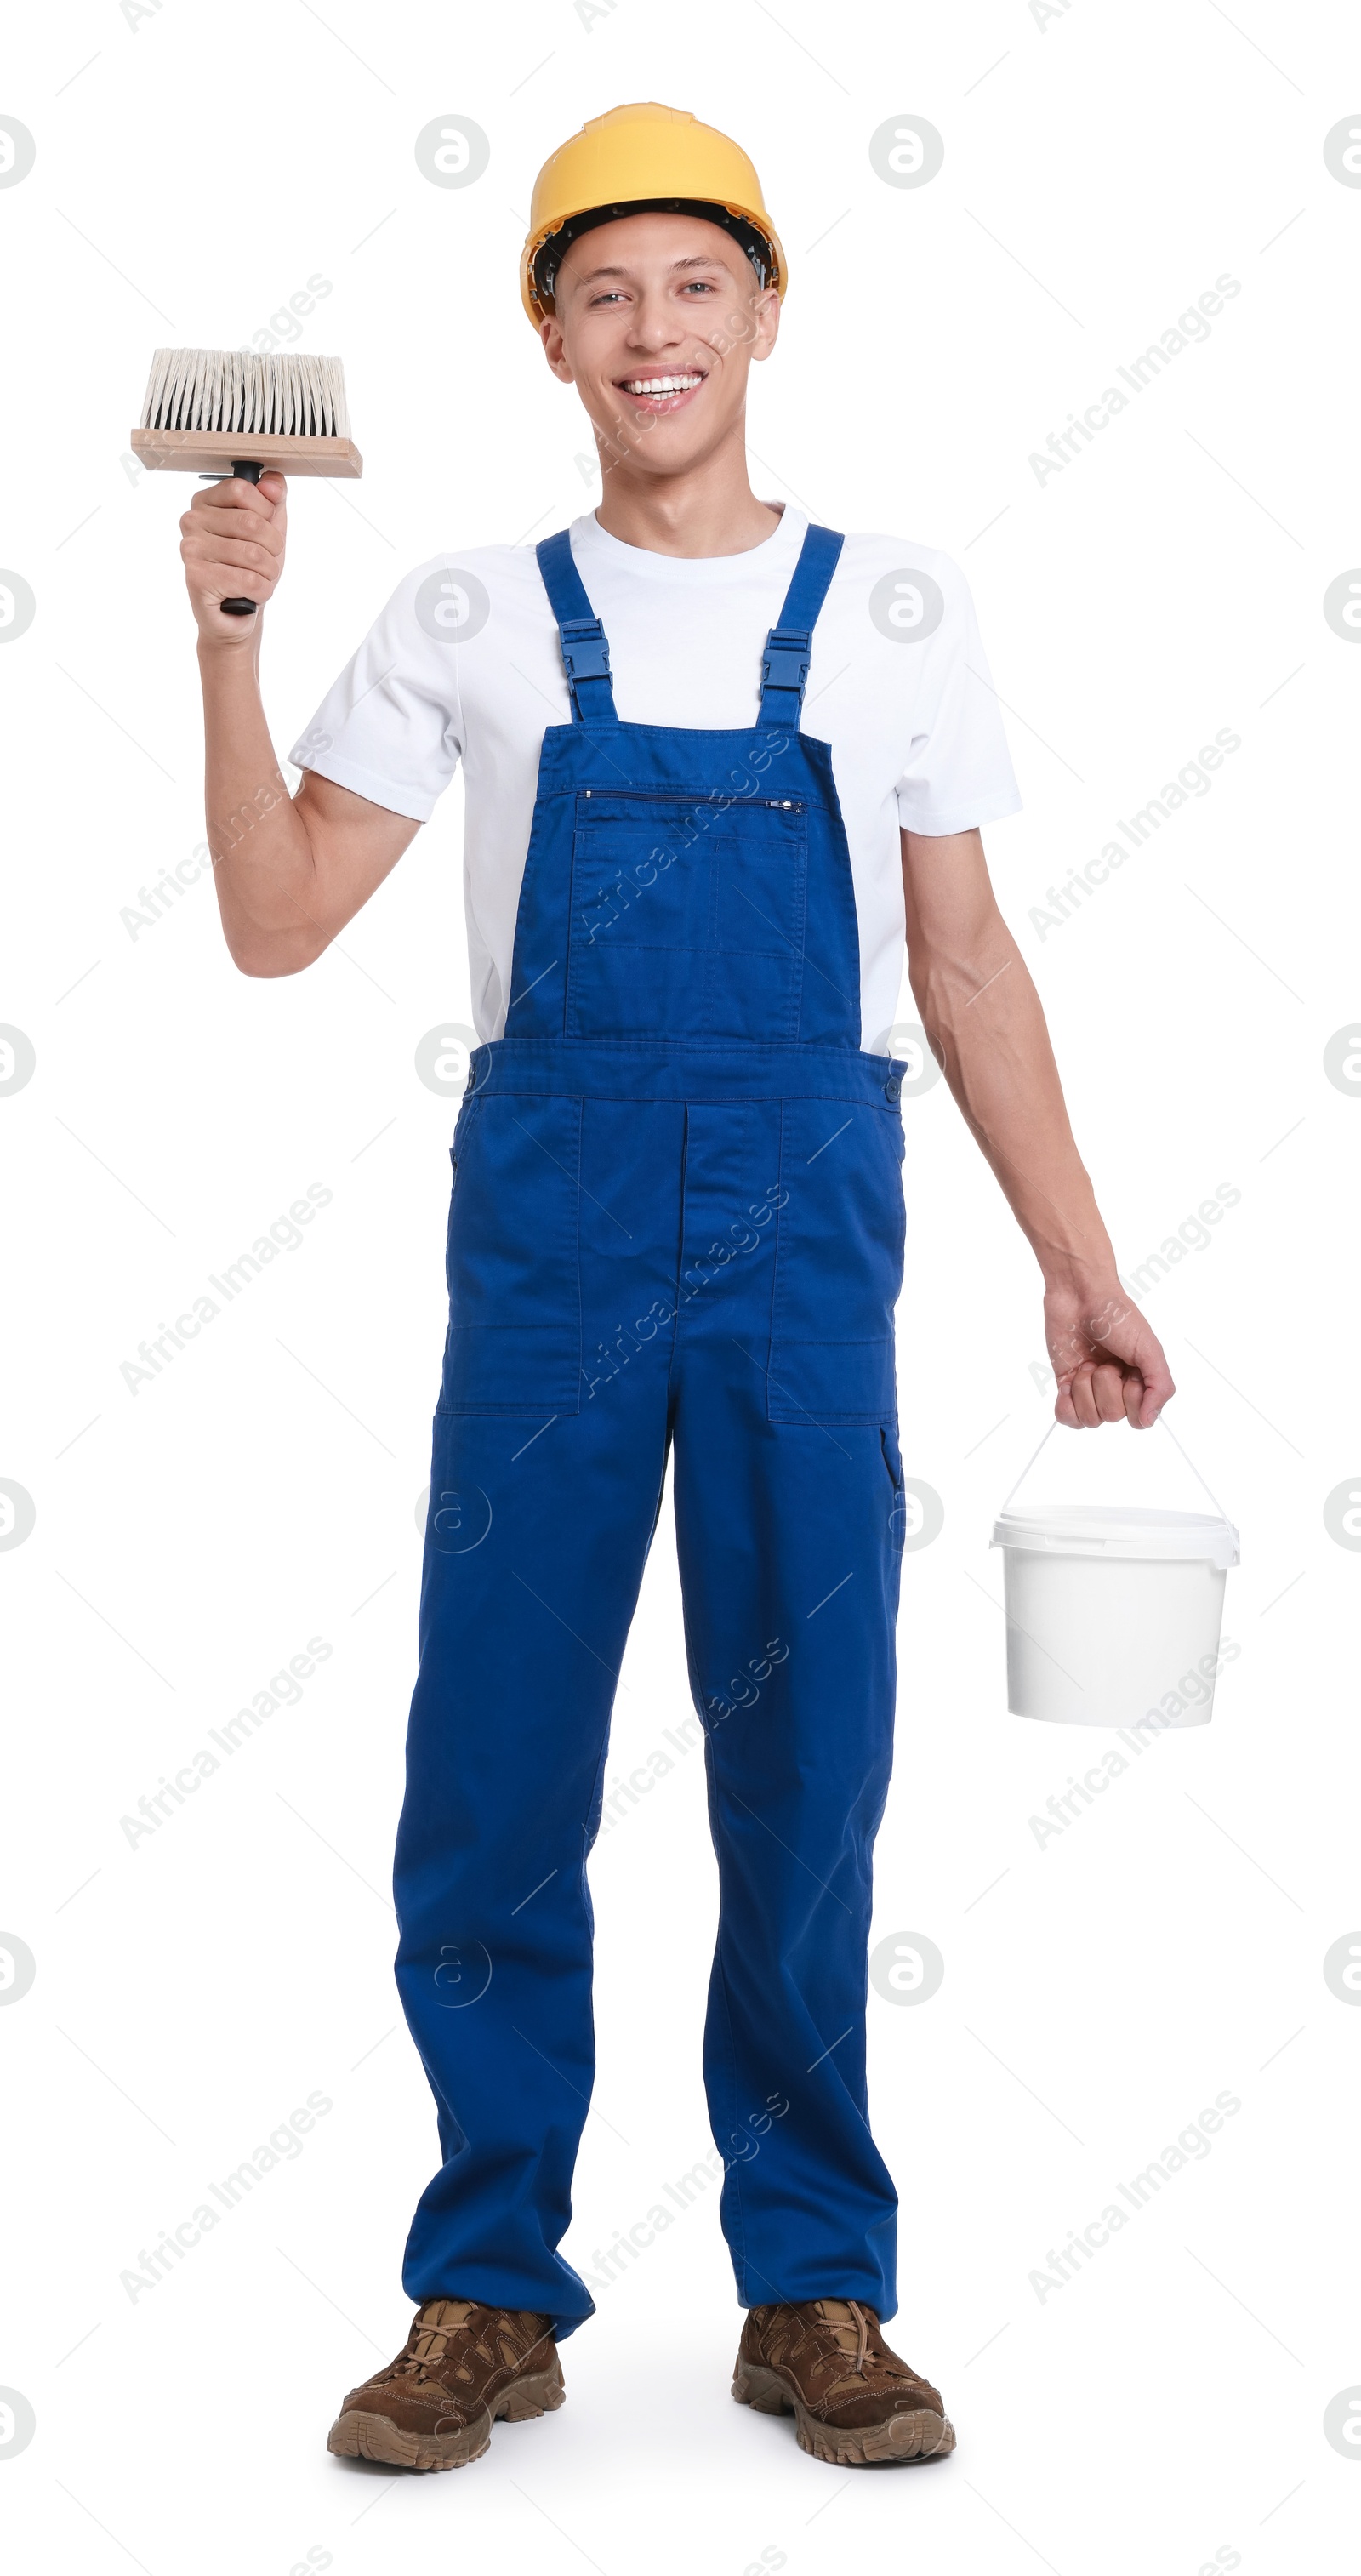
[(789, 645), (585, 651)]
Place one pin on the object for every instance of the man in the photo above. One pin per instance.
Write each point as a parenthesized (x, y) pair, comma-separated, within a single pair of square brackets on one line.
[(677, 1221)]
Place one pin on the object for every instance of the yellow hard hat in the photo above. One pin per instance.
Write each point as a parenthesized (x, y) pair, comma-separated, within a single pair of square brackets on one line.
[(636, 160)]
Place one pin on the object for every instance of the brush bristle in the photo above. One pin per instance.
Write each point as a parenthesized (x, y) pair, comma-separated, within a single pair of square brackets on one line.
[(283, 397)]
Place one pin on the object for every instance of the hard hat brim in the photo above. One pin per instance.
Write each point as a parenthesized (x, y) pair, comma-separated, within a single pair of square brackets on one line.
[(756, 240)]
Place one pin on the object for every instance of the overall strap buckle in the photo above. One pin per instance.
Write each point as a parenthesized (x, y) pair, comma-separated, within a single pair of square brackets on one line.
[(789, 645), (585, 649), (787, 656), (586, 661), (784, 674)]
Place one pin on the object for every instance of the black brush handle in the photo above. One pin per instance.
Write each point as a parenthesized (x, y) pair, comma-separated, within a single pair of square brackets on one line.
[(245, 470)]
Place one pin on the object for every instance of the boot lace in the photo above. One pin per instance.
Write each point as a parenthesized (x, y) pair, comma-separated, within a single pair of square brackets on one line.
[(433, 2338), (842, 2334)]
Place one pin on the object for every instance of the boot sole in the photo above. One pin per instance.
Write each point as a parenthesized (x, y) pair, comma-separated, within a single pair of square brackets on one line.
[(917, 2436), (363, 2434)]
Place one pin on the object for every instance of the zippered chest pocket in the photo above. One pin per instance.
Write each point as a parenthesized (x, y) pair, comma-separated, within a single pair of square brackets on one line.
[(687, 915)]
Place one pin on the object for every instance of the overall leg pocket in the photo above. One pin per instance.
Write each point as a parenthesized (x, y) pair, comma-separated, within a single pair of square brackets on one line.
[(514, 1340), (838, 1264)]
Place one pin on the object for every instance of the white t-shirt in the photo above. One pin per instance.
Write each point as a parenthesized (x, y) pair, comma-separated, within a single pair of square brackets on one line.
[(464, 664)]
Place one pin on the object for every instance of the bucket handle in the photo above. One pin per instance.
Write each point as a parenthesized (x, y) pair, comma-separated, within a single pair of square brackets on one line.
[(1200, 1480)]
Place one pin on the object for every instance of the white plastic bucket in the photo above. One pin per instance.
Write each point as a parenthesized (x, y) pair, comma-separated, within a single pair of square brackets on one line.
[(1113, 1614)]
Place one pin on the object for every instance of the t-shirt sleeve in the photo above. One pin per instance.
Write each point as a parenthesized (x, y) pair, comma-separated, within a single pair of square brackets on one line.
[(390, 727), (958, 771)]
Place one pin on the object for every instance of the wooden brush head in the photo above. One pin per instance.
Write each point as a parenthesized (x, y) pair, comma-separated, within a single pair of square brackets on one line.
[(207, 408)]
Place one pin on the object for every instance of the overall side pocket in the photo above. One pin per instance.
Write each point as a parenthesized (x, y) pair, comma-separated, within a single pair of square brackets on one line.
[(514, 1341), (838, 1264), (893, 1460)]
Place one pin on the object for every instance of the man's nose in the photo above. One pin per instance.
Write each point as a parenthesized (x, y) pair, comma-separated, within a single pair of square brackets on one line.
[(654, 325)]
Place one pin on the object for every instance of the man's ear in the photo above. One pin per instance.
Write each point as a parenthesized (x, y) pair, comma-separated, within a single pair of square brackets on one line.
[(767, 323), (550, 333)]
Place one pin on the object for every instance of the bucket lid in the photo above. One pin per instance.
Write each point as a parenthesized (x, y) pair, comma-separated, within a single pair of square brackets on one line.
[(1116, 1530)]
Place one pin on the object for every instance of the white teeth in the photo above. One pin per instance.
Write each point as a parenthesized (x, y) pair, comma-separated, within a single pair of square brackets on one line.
[(661, 384)]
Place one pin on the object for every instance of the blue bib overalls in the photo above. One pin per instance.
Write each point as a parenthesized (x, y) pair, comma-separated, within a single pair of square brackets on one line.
[(677, 1217)]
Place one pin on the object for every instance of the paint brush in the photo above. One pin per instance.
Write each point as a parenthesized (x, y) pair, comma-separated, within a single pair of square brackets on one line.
[(224, 412)]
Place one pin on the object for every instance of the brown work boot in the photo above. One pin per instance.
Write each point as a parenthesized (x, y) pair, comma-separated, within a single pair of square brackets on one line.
[(853, 2401), (464, 2365)]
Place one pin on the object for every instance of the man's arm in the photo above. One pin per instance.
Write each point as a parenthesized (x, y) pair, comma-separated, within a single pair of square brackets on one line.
[(290, 871), (982, 1015)]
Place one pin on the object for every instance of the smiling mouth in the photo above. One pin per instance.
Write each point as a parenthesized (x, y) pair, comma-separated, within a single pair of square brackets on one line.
[(662, 392)]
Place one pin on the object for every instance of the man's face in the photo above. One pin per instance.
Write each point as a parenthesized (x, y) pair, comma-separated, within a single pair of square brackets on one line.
[(658, 320)]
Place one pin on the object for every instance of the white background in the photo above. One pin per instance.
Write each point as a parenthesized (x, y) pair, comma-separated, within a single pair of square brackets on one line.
[(1100, 171)]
